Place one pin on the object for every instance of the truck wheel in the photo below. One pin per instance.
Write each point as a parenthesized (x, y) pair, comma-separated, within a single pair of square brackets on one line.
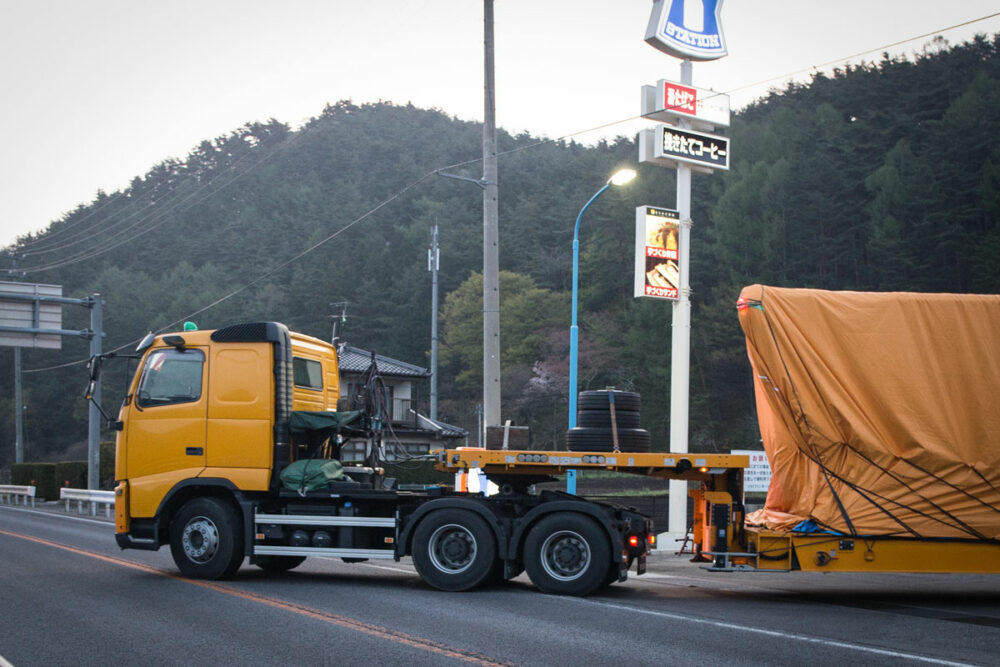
[(454, 550), (278, 563), (567, 554), (206, 539)]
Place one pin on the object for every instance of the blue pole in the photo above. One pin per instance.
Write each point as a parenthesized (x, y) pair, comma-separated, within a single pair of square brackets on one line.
[(574, 329)]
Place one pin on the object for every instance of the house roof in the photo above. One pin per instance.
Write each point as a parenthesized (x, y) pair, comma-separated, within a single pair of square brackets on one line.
[(442, 429), (355, 360)]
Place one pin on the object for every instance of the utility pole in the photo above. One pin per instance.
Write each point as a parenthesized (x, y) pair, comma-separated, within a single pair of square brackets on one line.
[(18, 409), (491, 237), (337, 327), (433, 264), (94, 415)]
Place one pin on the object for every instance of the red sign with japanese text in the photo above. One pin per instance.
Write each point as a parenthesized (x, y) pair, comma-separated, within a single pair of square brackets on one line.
[(680, 98)]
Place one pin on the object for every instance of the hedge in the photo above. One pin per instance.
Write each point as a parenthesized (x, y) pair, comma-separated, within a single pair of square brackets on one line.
[(47, 478), (40, 475), (72, 474)]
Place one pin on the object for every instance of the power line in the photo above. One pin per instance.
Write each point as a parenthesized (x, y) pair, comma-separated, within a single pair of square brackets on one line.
[(263, 276), (197, 196), (844, 59), (419, 180)]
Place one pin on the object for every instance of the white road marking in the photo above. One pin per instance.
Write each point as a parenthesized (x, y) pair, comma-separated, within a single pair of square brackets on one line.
[(61, 516), (833, 643)]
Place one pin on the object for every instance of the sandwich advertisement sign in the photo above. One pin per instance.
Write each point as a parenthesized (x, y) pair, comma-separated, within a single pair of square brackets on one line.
[(657, 273), (687, 29)]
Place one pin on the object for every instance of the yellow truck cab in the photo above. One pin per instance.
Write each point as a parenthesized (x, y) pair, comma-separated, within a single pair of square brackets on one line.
[(201, 410), (214, 422)]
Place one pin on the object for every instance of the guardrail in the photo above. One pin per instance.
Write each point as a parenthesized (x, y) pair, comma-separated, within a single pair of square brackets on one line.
[(9, 493), (94, 498)]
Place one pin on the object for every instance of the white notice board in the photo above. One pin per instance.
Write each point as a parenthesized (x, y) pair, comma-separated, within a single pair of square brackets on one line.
[(757, 477)]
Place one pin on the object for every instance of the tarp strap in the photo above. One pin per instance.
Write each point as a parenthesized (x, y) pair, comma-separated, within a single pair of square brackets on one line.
[(960, 490), (864, 495), (959, 524), (988, 482)]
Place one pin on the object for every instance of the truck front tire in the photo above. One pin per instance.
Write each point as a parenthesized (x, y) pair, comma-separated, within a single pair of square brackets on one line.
[(206, 539), (567, 554), (454, 550)]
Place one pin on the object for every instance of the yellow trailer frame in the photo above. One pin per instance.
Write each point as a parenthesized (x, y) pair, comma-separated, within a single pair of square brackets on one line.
[(718, 530), (665, 465), (769, 550)]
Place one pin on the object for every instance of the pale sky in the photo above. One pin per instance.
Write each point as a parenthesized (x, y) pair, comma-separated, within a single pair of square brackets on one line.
[(95, 92)]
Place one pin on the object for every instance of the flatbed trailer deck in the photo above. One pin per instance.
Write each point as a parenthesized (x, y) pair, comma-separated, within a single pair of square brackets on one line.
[(697, 467)]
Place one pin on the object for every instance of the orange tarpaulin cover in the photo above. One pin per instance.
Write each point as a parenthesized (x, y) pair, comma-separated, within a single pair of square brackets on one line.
[(879, 412)]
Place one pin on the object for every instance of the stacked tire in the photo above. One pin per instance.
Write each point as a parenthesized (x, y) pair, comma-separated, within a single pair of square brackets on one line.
[(593, 432)]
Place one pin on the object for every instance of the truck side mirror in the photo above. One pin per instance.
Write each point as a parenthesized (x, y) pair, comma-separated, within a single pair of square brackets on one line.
[(146, 342)]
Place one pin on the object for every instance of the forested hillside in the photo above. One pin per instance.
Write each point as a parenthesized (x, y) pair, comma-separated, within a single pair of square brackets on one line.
[(884, 176)]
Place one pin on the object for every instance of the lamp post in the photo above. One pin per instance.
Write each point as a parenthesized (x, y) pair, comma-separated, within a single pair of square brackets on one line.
[(620, 178)]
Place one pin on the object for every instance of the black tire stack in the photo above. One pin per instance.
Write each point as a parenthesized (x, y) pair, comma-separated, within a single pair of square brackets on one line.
[(593, 432)]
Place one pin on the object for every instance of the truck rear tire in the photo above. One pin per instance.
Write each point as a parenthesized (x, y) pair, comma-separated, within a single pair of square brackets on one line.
[(567, 554), (454, 550), (206, 539)]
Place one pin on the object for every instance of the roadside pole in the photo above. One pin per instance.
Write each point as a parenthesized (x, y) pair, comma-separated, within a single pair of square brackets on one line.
[(680, 354), (688, 31), (94, 415)]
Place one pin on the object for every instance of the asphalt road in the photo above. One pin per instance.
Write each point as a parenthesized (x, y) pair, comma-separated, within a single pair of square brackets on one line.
[(69, 596)]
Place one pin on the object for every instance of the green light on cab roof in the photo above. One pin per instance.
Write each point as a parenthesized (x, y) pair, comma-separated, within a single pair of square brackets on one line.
[(190, 326)]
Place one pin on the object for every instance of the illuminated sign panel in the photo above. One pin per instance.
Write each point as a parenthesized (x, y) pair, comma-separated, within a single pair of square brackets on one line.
[(687, 29), (667, 146), (657, 273), (670, 102)]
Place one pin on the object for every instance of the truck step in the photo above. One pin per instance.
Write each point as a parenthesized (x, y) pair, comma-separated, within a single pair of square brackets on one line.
[(321, 520), (320, 551)]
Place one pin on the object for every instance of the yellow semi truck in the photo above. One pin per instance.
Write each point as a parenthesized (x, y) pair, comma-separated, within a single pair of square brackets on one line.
[(228, 447)]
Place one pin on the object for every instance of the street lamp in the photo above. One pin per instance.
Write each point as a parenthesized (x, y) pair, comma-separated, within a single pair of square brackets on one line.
[(620, 177)]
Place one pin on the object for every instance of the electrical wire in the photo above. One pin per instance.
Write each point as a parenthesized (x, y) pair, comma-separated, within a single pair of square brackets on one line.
[(95, 252), (188, 201), (83, 235), (440, 169), (884, 47)]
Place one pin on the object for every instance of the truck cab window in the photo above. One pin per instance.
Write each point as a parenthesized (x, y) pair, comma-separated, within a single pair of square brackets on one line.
[(307, 373), (171, 376)]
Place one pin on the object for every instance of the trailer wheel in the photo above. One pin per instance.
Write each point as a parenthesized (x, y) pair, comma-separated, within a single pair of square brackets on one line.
[(567, 554), (206, 539), (278, 563), (454, 550)]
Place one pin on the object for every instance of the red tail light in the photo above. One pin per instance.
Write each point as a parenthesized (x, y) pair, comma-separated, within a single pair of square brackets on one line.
[(633, 540)]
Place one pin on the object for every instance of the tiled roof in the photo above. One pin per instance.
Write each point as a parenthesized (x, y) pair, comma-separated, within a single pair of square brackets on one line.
[(443, 430), (356, 360)]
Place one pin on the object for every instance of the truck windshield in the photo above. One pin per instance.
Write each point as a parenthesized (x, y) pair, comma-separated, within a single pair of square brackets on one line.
[(171, 376)]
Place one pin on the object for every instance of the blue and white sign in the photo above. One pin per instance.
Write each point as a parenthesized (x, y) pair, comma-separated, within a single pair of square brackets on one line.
[(687, 29)]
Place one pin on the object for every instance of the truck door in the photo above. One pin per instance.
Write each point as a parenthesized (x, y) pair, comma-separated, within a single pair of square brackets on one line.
[(166, 426)]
